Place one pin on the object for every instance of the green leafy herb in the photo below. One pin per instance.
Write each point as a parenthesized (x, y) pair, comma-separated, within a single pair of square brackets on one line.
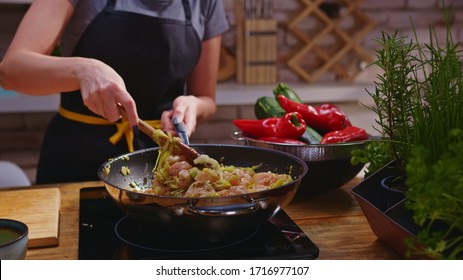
[(435, 164), (419, 104), (394, 95)]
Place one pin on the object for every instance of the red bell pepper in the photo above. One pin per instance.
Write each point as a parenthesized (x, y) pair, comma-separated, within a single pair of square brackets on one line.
[(323, 118), (348, 134), (281, 140), (291, 125), (333, 107)]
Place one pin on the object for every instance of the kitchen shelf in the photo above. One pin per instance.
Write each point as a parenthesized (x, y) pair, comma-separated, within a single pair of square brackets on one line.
[(228, 94), (13, 102), (15, 1), (231, 93)]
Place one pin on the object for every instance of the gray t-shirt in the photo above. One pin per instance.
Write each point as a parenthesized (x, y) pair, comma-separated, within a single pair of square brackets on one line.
[(208, 16)]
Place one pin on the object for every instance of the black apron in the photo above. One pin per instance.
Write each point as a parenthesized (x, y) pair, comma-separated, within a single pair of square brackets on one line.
[(153, 56)]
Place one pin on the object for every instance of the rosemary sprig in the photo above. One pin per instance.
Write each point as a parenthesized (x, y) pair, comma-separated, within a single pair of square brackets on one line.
[(394, 95)]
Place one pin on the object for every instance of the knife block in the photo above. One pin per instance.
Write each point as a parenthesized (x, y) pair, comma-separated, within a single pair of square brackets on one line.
[(256, 51)]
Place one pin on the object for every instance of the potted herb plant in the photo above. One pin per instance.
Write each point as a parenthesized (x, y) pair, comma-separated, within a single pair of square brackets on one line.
[(418, 100)]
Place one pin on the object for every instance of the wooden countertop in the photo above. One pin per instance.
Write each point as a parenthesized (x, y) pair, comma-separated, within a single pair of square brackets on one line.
[(333, 221)]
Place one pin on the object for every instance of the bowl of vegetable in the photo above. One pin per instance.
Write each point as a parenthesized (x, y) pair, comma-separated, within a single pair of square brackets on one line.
[(329, 165), (322, 136)]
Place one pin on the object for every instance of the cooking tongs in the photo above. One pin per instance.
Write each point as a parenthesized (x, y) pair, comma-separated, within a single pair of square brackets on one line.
[(161, 136)]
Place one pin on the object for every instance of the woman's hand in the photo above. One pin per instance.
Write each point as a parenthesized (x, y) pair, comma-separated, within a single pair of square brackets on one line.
[(28, 66), (185, 108), (102, 89), (199, 103)]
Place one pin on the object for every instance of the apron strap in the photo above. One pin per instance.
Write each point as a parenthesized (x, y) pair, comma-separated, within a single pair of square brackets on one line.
[(123, 127), (187, 10), (111, 4)]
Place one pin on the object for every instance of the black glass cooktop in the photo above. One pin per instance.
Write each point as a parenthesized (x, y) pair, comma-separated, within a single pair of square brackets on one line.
[(106, 233)]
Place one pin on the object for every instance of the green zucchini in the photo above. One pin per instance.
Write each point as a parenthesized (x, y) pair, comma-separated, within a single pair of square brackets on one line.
[(311, 136), (289, 93), (268, 107)]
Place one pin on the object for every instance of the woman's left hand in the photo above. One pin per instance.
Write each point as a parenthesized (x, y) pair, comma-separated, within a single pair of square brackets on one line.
[(199, 103), (185, 108)]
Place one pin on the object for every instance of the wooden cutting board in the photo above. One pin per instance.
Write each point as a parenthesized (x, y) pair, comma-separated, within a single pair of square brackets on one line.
[(38, 209)]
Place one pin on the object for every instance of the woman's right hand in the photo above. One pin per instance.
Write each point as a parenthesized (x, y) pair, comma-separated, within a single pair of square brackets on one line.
[(28, 67), (102, 88)]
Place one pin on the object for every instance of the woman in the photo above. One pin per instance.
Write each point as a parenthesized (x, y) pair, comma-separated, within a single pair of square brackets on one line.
[(156, 58)]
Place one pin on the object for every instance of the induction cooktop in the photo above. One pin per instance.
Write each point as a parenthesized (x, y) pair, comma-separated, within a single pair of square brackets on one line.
[(106, 232)]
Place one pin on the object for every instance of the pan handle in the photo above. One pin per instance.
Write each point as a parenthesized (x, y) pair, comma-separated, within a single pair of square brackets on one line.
[(238, 136), (229, 210)]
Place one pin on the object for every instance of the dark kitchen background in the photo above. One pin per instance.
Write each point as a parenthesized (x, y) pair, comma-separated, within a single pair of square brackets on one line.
[(321, 52)]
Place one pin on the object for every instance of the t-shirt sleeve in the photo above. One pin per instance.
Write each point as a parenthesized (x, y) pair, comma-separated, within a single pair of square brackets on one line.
[(215, 19)]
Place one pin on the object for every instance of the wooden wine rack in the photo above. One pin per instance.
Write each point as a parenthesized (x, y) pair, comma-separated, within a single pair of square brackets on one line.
[(331, 42)]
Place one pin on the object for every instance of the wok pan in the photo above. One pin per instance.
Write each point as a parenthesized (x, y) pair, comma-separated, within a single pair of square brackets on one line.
[(213, 216)]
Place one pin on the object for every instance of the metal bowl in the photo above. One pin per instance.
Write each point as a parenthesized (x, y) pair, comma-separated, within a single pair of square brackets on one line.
[(329, 165)]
